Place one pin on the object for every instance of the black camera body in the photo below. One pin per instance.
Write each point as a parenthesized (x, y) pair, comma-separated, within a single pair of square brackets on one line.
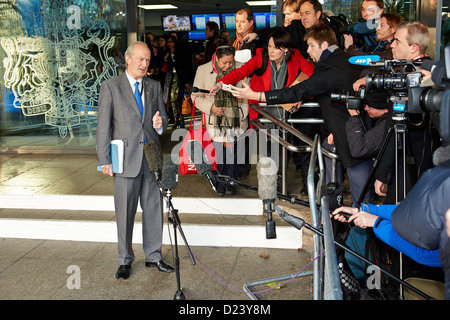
[(393, 77), (356, 102), (401, 79)]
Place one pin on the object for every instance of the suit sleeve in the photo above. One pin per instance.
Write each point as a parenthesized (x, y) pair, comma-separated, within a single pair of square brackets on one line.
[(244, 71), (319, 83), (104, 116)]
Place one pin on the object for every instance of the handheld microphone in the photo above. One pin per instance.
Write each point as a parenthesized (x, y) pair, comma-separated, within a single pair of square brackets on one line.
[(169, 178), (200, 160), (267, 191), (363, 60), (195, 89), (153, 155)]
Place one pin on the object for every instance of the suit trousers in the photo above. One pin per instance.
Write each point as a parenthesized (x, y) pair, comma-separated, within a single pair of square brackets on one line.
[(127, 193)]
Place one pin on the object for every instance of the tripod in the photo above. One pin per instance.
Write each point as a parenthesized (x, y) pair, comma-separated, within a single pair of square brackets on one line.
[(402, 146), (175, 220)]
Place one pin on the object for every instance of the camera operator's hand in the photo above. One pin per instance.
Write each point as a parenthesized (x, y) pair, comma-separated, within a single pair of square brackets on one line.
[(426, 81), (380, 188), (348, 40), (359, 83)]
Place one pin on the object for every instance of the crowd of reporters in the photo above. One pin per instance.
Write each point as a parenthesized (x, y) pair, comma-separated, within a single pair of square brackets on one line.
[(314, 38)]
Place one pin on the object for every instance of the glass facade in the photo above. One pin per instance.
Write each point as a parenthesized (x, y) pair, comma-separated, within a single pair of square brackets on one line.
[(55, 53), (54, 56)]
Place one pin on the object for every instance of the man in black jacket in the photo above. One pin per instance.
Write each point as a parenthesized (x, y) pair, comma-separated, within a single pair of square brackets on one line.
[(332, 72), (410, 43), (365, 138)]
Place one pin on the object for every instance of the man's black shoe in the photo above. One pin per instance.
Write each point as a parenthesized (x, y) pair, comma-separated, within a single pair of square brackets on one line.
[(161, 265), (123, 272)]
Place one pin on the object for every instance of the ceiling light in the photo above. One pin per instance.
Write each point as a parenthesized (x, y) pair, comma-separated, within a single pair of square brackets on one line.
[(261, 3), (157, 6)]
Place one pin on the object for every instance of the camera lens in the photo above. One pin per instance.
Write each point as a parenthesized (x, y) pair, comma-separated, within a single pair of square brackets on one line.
[(339, 97)]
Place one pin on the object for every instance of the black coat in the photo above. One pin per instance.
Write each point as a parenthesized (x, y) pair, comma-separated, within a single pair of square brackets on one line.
[(420, 217), (332, 73)]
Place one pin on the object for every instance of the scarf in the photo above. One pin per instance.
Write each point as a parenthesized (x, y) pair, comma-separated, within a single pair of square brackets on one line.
[(239, 39), (227, 124)]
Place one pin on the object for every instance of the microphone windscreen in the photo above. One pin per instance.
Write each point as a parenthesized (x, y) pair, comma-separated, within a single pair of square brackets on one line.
[(198, 157), (169, 176), (153, 155), (267, 171)]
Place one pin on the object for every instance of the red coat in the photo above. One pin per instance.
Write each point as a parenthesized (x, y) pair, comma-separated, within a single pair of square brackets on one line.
[(296, 64)]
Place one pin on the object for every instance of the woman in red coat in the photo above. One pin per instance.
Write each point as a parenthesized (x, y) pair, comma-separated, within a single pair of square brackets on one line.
[(275, 67)]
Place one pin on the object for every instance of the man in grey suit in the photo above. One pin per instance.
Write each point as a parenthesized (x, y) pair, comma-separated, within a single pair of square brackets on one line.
[(130, 108)]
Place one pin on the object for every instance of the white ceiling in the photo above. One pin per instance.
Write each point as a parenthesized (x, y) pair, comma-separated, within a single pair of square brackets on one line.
[(204, 6)]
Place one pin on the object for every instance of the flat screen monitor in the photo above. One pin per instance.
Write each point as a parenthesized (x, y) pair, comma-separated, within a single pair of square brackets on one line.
[(264, 19), (176, 23), (196, 35), (229, 21), (199, 20)]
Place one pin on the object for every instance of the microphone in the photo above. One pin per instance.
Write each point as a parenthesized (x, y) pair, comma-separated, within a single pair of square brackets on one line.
[(267, 191), (200, 160), (169, 178), (153, 155), (363, 60), (195, 89)]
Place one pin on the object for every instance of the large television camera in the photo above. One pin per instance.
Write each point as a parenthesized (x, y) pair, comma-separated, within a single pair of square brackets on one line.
[(402, 78)]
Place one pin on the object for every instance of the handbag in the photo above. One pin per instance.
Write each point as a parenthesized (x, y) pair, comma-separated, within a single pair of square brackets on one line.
[(186, 107), (186, 165)]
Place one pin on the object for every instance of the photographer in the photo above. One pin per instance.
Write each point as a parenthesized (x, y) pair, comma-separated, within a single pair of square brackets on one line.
[(410, 43), (366, 141), (365, 30)]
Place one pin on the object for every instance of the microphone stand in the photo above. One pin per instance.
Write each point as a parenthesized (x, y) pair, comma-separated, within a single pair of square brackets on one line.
[(227, 180), (175, 220), (298, 223)]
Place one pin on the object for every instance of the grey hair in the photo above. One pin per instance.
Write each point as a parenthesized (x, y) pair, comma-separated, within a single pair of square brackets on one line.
[(129, 51)]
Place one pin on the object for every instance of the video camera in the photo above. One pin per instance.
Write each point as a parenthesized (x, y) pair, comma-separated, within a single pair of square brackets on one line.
[(394, 76), (356, 102), (363, 33), (402, 78)]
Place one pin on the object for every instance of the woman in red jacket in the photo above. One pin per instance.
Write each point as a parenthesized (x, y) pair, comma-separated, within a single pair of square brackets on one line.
[(273, 68), (277, 66)]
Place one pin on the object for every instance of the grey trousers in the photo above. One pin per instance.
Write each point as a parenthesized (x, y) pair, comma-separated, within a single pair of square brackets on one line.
[(127, 193)]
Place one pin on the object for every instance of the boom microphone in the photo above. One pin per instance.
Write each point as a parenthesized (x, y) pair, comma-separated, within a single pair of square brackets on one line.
[(267, 191), (169, 177), (153, 154), (195, 89), (200, 160)]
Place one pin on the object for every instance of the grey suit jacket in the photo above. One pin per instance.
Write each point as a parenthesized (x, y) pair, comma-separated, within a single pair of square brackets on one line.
[(119, 118)]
